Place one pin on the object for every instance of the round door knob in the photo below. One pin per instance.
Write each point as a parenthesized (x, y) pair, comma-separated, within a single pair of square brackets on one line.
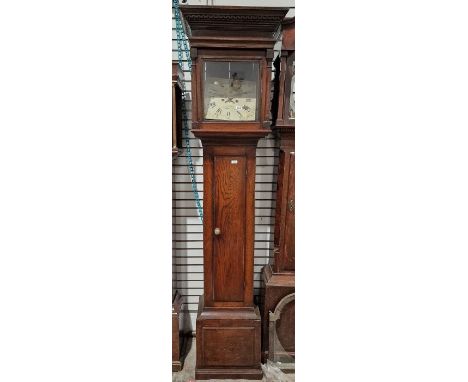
[(217, 231)]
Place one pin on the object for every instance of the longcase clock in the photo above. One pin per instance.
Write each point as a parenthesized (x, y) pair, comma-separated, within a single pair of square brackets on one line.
[(232, 52), (177, 301), (278, 300)]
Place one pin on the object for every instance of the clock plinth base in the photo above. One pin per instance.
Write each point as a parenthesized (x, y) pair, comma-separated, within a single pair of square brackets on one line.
[(177, 334), (277, 286), (228, 343)]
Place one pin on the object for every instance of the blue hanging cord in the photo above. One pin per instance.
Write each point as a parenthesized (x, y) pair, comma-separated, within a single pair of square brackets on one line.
[(182, 47)]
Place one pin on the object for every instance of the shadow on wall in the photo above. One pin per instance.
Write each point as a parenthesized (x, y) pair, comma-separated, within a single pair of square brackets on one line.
[(187, 234)]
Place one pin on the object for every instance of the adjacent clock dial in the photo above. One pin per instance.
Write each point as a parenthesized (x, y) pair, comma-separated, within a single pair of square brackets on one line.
[(230, 91)]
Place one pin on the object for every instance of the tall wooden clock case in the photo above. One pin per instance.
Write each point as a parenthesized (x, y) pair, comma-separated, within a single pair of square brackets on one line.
[(232, 52), (177, 301), (278, 302)]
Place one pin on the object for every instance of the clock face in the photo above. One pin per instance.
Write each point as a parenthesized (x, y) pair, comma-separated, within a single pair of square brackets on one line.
[(230, 103), (230, 91)]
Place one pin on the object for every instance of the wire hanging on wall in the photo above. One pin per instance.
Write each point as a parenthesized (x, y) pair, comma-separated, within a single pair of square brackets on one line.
[(182, 47)]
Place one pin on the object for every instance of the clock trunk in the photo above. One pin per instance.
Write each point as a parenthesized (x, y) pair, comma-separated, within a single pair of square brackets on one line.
[(229, 200)]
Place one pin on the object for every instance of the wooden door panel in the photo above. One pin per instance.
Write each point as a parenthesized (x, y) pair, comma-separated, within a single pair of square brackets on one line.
[(229, 217), (289, 239), (279, 198)]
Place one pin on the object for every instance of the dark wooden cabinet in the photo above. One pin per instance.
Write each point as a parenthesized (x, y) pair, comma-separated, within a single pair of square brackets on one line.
[(177, 314), (232, 52), (284, 229), (177, 333), (278, 299), (177, 77)]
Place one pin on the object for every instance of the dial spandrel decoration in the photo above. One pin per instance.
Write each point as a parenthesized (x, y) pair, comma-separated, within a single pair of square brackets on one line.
[(230, 90)]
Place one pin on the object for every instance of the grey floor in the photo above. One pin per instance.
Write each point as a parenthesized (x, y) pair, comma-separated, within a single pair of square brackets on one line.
[(187, 374)]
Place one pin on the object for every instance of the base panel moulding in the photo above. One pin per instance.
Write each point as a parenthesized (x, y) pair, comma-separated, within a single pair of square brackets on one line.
[(277, 286), (177, 334), (228, 343)]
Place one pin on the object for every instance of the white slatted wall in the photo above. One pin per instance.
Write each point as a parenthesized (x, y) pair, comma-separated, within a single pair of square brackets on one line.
[(187, 228)]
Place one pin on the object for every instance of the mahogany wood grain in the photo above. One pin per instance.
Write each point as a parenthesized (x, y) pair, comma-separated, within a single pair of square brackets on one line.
[(229, 206), (279, 210), (284, 229), (283, 74), (277, 286), (237, 343), (229, 245), (289, 229), (288, 29), (229, 343), (284, 239), (285, 329)]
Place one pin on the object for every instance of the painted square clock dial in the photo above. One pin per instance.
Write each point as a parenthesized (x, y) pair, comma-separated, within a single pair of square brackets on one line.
[(230, 90)]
